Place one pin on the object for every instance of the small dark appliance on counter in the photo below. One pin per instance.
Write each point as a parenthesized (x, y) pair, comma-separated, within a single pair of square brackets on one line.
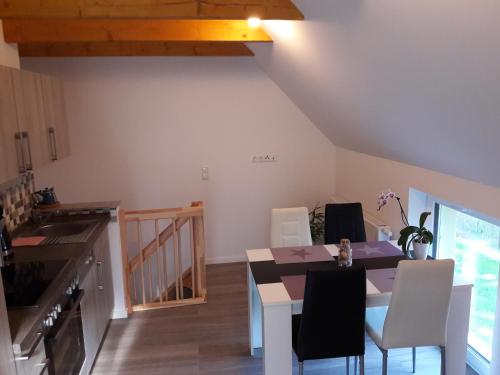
[(45, 197)]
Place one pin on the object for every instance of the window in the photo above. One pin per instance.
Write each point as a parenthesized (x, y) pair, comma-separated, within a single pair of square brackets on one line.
[(475, 245)]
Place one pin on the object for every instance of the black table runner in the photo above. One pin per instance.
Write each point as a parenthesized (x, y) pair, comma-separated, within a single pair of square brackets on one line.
[(266, 272)]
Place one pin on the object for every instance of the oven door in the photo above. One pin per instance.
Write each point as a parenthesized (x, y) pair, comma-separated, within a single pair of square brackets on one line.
[(64, 343)]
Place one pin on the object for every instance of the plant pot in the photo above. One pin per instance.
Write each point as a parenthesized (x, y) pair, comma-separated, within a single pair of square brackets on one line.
[(420, 250)]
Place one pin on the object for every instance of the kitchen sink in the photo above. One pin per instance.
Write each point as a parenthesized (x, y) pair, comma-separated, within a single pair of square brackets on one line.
[(61, 229), (63, 232)]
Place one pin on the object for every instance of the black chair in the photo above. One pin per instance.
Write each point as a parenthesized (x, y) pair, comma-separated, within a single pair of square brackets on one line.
[(344, 220), (332, 323)]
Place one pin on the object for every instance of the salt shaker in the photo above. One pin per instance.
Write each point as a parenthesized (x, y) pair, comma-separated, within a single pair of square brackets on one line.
[(345, 253)]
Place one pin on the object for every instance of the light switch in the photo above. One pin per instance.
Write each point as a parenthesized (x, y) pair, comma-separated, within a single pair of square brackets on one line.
[(204, 173)]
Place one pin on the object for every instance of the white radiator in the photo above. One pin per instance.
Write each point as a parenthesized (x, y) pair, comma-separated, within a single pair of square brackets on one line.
[(375, 229)]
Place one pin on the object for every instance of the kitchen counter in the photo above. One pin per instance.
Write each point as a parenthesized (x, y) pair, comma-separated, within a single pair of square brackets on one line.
[(95, 207), (24, 323)]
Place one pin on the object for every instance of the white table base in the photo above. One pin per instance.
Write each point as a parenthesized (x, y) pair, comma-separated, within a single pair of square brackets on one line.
[(270, 327)]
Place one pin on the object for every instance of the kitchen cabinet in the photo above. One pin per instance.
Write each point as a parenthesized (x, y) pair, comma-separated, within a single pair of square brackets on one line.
[(10, 148), (55, 117), (104, 293), (88, 307), (33, 124), (30, 118), (97, 304)]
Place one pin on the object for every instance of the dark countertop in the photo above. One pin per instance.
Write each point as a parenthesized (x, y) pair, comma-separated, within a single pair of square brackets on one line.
[(24, 323), (75, 207)]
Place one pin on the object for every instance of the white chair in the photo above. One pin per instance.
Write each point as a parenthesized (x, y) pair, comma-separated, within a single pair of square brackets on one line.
[(418, 312), (290, 227)]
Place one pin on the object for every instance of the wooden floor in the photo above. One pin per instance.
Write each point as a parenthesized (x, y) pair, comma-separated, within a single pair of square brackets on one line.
[(213, 339)]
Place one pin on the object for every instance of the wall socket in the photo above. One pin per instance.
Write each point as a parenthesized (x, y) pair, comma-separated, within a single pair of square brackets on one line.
[(264, 158)]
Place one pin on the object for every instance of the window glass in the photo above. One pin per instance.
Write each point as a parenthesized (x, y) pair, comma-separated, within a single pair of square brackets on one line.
[(475, 246)]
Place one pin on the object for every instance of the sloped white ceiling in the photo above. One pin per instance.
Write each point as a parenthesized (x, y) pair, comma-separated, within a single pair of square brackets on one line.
[(416, 81)]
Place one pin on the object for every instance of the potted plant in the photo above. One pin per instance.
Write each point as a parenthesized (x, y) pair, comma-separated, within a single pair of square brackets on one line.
[(420, 237), (317, 224)]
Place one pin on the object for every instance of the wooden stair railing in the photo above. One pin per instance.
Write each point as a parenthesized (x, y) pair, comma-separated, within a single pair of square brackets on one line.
[(147, 283)]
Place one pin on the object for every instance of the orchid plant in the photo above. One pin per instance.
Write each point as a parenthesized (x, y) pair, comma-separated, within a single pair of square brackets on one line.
[(317, 223), (409, 233)]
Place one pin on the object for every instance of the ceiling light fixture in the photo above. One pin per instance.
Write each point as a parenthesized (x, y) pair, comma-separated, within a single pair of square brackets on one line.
[(253, 22)]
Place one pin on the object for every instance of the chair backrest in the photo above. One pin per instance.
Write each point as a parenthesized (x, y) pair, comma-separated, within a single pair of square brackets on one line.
[(418, 311), (333, 314), (290, 227), (344, 220)]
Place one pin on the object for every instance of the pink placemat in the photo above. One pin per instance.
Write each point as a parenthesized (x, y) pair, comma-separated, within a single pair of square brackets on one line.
[(27, 241), (374, 249), (301, 254), (295, 286), (382, 279)]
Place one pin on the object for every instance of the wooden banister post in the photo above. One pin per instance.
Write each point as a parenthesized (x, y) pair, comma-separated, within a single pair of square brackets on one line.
[(126, 268), (200, 256)]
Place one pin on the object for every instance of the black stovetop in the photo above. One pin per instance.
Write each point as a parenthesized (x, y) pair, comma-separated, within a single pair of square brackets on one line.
[(25, 282)]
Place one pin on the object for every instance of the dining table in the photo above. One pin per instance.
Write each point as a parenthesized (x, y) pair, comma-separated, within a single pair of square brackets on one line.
[(276, 282)]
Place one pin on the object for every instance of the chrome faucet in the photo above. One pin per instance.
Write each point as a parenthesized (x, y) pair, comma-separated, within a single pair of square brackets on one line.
[(36, 216)]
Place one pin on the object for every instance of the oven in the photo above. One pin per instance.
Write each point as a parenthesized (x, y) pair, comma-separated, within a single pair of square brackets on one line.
[(64, 345), (55, 344)]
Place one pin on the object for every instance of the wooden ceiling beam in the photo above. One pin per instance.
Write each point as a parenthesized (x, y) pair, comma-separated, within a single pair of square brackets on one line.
[(55, 31), (172, 9), (97, 49)]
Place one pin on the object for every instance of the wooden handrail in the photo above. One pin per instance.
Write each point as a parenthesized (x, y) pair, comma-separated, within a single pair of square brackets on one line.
[(164, 213)]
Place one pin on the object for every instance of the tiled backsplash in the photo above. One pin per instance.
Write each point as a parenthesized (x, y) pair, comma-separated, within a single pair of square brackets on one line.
[(16, 199)]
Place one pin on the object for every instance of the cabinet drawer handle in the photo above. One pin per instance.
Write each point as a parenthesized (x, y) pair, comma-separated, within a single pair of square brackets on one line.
[(45, 363), (34, 345), (19, 153), (26, 142), (100, 285), (89, 259), (53, 143)]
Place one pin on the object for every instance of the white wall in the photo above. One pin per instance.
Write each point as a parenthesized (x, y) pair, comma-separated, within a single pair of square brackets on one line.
[(417, 81), (8, 52), (142, 128), (362, 177)]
